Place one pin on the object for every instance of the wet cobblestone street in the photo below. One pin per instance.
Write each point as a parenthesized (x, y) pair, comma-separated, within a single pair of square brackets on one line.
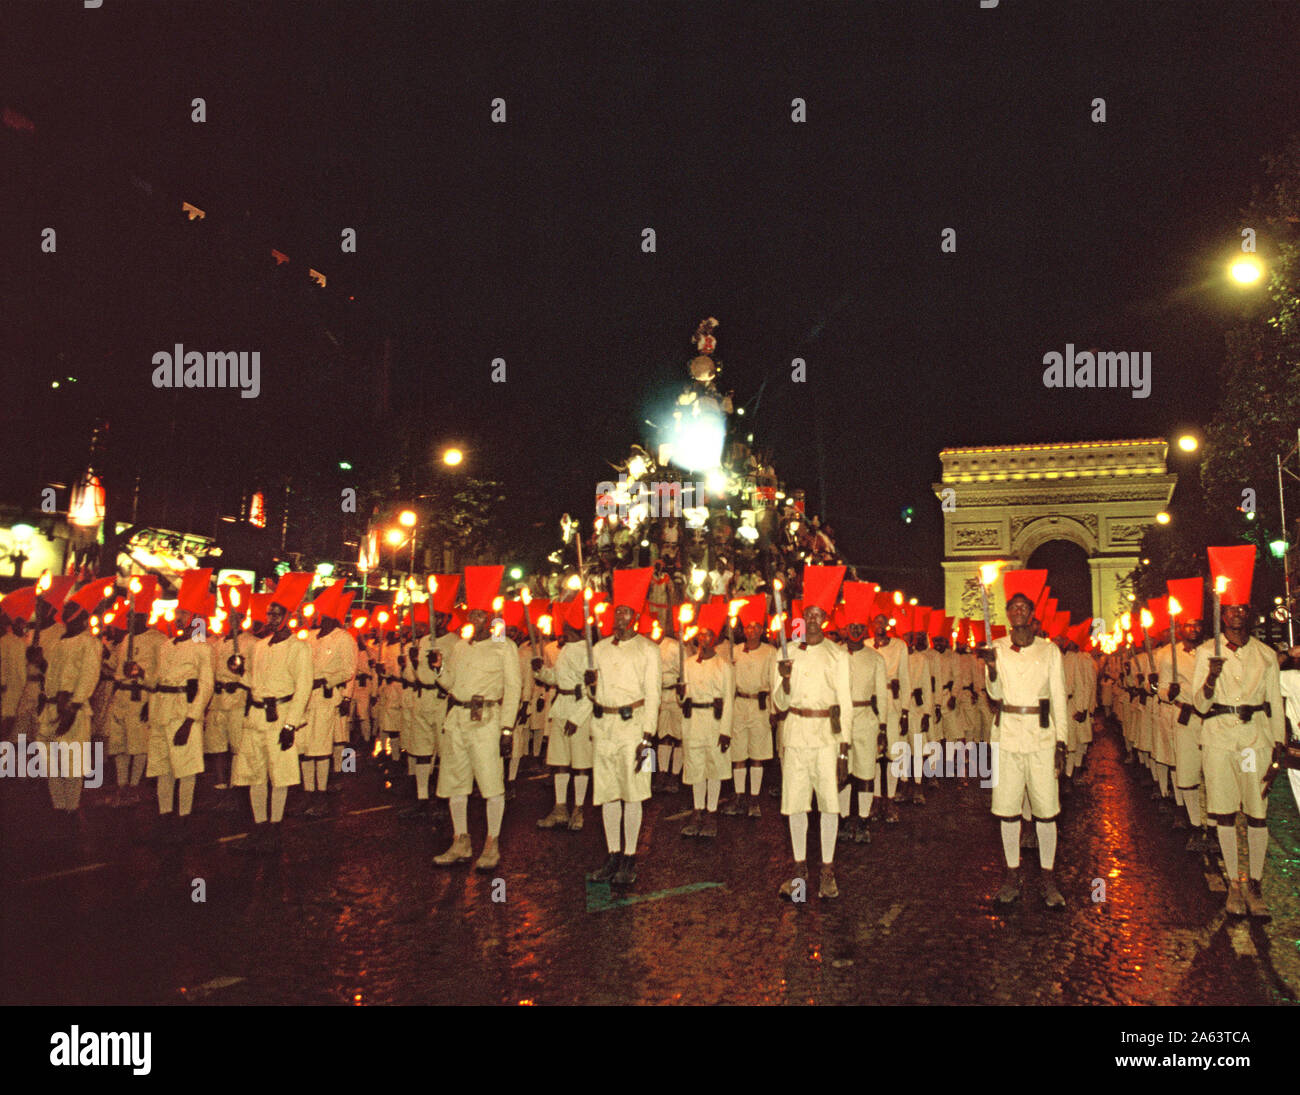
[(354, 912)]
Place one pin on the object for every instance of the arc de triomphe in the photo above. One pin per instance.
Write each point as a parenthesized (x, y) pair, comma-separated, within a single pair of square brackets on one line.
[(1002, 502)]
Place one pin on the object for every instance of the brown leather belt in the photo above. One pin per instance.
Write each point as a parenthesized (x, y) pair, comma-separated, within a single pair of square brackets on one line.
[(1011, 710), (811, 712), (861, 703), (599, 709)]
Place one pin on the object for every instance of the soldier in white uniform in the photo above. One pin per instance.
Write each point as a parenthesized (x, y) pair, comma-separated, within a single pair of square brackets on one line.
[(869, 683), (707, 714), (482, 681), (280, 687), (51, 592), (751, 730), (813, 689), (1026, 676), (334, 661), (135, 672), (1237, 690), (672, 656), (898, 680), (919, 703), (362, 690), (15, 608), (223, 726), (569, 747), (180, 696), (627, 690), (71, 671), (428, 708), (1175, 691)]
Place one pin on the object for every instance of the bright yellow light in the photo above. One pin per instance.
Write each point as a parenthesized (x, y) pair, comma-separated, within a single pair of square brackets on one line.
[(1147, 619), (394, 536), (1188, 443), (1162, 518), (452, 457), (1221, 584), (309, 610), (1246, 270), (467, 632), (684, 614), (989, 573), (525, 596), (406, 518), (433, 584), (912, 601), (498, 603), (573, 582), (1174, 607), (544, 624), (598, 609), (135, 585), (898, 596)]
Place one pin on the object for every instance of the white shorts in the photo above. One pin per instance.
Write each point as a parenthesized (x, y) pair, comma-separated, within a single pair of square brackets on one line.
[(670, 715), (1235, 756), (260, 758), (315, 739), (704, 761), (809, 771), (127, 732), (751, 731), (1033, 772), (569, 751), (1187, 754), (424, 726), (613, 771), (471, 753)]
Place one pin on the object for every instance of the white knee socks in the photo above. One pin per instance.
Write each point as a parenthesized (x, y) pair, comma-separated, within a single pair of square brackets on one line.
[(185, 796), (459, 805), (755, 778), (561, 788), (799, 836), (714, 787), (1011, 843), (830, 829), (496, 810), (166, 784), (697, 796), (1257, 845), (579, 788), (1228, 845), (1046, 844), (612, 815), (278, 795), (257, 799), (631, 826)]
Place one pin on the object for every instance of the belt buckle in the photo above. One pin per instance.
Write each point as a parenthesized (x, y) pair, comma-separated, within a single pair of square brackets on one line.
[(625, 713)]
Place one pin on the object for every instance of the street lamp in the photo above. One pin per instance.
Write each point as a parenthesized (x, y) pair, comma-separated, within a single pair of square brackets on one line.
[(1162, 518), (1188, 443), (394, 537), (1246, 270), (452, 457)]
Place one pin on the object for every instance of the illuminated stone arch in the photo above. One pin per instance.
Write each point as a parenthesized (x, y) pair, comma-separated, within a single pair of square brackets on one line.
[(1003, 502)]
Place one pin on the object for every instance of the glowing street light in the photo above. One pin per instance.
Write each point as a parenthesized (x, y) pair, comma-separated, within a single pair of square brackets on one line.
[(1246, 270), (406, 518), (394, 536), (452, 457), (1162, 518), (1188, 443)]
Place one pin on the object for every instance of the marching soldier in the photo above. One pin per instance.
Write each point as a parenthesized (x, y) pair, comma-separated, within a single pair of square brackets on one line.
[(135, 671), (334, 661), (1026, 676), (223, 727), (707, 708), (481, 677), (869, 683), (1175, 668), (811, 685), (15, 608), (627, 690), (362, 689), (920, 708), (280, 687), (569, 749), (51, 592), (182, 689), (71, 671), (427, 707), (751, 732), (1237, 691), (898, 679), (672, 657)]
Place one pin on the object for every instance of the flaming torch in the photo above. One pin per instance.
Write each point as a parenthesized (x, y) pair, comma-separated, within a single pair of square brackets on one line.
[(988, 575), (133, 670), (780, 611), (1220, 588), (1174, 609), (683, 618), (235, 663)]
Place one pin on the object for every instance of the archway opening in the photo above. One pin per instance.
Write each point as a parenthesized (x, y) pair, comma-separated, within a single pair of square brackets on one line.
[(1068, 576)]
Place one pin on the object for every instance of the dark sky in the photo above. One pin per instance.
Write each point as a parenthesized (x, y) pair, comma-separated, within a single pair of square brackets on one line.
[(522, 241)]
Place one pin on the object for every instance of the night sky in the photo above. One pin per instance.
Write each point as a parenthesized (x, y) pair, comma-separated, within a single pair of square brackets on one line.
[(522, 241)]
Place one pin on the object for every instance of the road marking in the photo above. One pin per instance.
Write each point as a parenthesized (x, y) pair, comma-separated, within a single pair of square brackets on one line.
[(369, 810), (236, 836), (600, 897), (64, 874)]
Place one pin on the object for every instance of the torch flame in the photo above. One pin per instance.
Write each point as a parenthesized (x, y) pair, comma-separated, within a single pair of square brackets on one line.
[(234, 597), (573, 582), (733, 609), (135, 585), (599, 608), (308, 610), (989, 573), (1147, 619), (898, 596), (498, 603), (44, 583), (684, 614), (467, 632), (544, 624), (1221, 584), (587, 594), (1174, 607), (777, 584), (525, 596), (655, 630)]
